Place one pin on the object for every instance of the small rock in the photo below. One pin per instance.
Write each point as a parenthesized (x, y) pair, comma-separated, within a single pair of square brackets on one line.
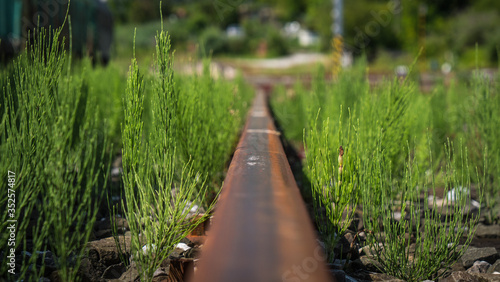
[(343, 247), (383, 277), (193, 253), (161, 278), (182, 246), (104, 228), (494, 267), (160, 272), (91, 271), (369, 250), (484, 277), (114, 271), (176, 253), (148, 247), (352, 245), (362, 235), (161, 275), (131, 274), (370, 264), (116, 171), (459, 276), (55, 277), (337, 264), (101, 255), (350, 238), (488, 231), (350, 279), (458, 193), (339, 275), (106, 252), (489, 254), (187, 242), (479, 267), (103, 233), (49, 261), (334, 266), (355, 266), (457, 266)]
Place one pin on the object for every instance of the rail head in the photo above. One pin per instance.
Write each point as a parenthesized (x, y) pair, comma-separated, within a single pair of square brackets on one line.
[(261, 229)]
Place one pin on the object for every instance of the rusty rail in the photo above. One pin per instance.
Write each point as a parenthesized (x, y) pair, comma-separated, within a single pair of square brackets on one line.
[(261, 230)]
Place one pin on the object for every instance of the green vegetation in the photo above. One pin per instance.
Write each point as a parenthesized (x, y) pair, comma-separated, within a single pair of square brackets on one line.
[(333, 186), (411, 238), (213, 112), (483, 138), (51, 139), (447, 30), (60, 124), (379, 150), (166, 170), (156, 215)]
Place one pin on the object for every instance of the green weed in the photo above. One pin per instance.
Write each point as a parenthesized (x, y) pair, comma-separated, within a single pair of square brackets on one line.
[(50, 138)]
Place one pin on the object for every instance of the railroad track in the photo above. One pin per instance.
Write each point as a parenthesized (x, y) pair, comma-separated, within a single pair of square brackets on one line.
[(261, 230)]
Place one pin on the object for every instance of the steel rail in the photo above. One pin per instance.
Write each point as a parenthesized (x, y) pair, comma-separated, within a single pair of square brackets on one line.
[(261, 230)]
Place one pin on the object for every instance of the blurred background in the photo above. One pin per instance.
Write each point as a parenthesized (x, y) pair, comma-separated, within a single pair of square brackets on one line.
[(453, 34)]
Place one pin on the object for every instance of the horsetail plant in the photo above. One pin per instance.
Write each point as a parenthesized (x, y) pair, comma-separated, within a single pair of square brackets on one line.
[(412, 239), (157, 204), (483, 136), (333, 191), (203, 103), (51, 140)]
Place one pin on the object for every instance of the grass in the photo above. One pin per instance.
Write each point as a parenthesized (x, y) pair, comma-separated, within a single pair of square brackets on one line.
[(62, 120), (171, 165), (333, 185), (203, 103), (379, 150), (411, 238), (51, 139), (156, 207), (483, 138)]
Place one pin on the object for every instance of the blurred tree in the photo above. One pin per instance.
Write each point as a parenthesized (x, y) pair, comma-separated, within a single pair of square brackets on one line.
[(212, 41), (147, 10), (288, 10), (446, 7), (486, 5), (319, 19), (476, 27), (139, 10), (408, 34), (120, 9)]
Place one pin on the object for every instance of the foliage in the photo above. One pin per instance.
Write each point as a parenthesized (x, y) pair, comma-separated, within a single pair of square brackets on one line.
[(108, 96), (333, 180), (213, 41), (50, 138), (483, 138), (170, 164), (476, 27), (289, 110), (410, 238), (203, 103), (389, 167), (157, 204)]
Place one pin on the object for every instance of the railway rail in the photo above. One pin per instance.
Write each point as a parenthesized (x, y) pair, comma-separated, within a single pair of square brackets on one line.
[(261, 230)]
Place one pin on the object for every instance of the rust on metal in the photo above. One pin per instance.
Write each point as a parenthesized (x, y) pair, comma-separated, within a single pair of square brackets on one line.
[(198, 235), (261, 230)]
